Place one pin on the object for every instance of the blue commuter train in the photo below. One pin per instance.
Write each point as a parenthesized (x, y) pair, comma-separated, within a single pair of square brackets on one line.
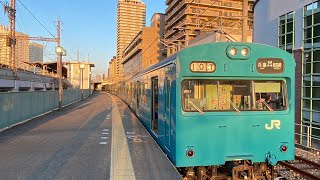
[(219, 110)]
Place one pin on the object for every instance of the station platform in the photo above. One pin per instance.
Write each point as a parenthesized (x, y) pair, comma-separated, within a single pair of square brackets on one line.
[(134, 151), (97, 138)]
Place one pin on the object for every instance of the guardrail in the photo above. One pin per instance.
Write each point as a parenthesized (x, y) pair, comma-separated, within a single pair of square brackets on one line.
[(308, 136), (18, 107)]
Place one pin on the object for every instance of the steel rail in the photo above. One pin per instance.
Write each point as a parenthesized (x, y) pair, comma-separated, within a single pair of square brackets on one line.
[(300, 171), (312, 163)]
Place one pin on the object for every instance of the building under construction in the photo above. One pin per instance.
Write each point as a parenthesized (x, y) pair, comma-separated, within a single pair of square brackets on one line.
[(21, 50), (187, 19)]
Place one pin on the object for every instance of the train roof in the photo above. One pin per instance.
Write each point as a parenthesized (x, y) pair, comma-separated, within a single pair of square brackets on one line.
[(165, 62), (188, 52)]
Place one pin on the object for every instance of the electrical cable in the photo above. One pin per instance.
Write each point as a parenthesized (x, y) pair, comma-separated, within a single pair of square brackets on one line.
[(36, 19), (24, 25)]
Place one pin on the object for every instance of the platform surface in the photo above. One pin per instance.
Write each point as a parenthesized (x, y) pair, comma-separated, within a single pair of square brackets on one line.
[(98, 138)]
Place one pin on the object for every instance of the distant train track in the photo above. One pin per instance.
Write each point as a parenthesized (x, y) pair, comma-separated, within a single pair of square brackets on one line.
[(303, 167)]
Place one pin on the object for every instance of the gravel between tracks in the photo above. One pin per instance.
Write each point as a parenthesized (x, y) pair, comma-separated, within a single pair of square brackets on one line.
[(290, 174)]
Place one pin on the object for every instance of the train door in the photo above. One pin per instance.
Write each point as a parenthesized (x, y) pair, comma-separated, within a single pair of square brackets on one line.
[(138, 96), (154, 105), (167, 87)]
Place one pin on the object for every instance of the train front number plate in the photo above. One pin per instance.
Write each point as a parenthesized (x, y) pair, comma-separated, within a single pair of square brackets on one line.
[(206, 67)]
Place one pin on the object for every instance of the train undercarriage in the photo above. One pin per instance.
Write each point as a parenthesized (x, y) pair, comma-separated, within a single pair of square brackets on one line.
[(232, 170)]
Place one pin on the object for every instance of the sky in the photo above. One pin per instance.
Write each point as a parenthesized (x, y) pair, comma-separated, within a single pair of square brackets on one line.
[(87, 26)]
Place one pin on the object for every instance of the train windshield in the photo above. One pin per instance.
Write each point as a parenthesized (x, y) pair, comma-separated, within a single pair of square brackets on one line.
[(233, 95)]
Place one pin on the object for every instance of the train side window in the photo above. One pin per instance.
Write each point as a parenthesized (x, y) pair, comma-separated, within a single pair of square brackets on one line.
[(168, 86), (154, 111)]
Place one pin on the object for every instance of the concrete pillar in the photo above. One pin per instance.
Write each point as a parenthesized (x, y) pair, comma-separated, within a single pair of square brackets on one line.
[(297, 53), (16, 86)]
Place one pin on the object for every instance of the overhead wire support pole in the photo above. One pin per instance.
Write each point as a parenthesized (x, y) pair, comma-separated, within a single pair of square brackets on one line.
[(59, 66), (244, 20), (11, 11)]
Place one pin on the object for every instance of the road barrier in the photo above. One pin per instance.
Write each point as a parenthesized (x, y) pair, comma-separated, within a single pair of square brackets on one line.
[(18, 107)]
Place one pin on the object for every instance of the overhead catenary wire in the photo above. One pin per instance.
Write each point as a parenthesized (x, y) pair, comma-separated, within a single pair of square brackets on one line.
[(22, 21), (66, 38), (36, 19), (41, 23)]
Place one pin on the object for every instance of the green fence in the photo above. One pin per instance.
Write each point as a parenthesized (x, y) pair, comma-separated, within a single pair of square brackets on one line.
[(16, 107)]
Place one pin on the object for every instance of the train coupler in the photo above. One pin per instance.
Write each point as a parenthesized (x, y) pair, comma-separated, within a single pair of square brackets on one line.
[(242, 172)]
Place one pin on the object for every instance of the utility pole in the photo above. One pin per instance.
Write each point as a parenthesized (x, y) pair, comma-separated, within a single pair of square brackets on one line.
[(11, 40), (78, 55), (89, 74), (59, 66), (244, 20)]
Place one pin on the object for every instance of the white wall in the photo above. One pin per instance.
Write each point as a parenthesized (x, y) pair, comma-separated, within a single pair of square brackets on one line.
[(266, 16)]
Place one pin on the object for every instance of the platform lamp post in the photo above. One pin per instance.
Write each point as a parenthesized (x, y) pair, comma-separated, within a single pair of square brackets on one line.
[(60, 52), (81, 68), (90, 82)]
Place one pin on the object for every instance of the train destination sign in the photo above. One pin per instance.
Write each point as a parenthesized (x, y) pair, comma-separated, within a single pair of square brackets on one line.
[(270, 65), (204, 67)]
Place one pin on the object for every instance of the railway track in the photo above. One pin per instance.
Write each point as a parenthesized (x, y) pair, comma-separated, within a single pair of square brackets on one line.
[(304, 167)]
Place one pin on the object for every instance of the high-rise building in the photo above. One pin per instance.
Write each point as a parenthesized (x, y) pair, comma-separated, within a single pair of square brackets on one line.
[(35, 52), (186, 19), (22, 49), (142, 52), (146, 48), (97, 78), (131, 18), (112, 69), (158, 21)]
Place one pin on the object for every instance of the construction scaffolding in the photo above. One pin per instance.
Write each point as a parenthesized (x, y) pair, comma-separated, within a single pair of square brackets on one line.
[(190, 18)]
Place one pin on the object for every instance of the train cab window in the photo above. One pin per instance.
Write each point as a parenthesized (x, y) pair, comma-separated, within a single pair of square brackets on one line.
[(270, 95), (233, 95)]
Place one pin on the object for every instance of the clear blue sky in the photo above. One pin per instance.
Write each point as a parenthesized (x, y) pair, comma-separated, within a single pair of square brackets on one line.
[(89, 26)]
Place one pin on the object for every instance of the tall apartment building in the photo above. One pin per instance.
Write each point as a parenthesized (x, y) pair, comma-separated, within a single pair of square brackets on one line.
[(131, 18), (35, 52), (158, 21), (142, 52), (112, 69), (146, 48), (187, 18), (22, 48)]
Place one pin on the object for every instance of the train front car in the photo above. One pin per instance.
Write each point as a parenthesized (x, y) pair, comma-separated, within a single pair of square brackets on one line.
[(235, 110)]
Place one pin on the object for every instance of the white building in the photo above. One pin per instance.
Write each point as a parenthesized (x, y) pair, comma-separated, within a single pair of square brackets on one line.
[(79, 74), (294, 25)]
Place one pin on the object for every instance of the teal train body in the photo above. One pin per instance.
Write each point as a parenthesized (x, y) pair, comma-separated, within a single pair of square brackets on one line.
[(219, 109)]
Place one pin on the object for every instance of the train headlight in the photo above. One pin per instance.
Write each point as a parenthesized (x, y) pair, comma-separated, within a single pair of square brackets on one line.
[(239, 51), (233, 51), (244, 52)]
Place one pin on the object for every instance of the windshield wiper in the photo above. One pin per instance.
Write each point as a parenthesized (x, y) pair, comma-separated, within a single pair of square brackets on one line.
[(234, 106), (267, 105), (196, 107)]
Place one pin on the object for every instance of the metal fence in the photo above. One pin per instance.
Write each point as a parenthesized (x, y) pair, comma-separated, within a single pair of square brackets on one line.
[(16, 107), (308, 135)]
